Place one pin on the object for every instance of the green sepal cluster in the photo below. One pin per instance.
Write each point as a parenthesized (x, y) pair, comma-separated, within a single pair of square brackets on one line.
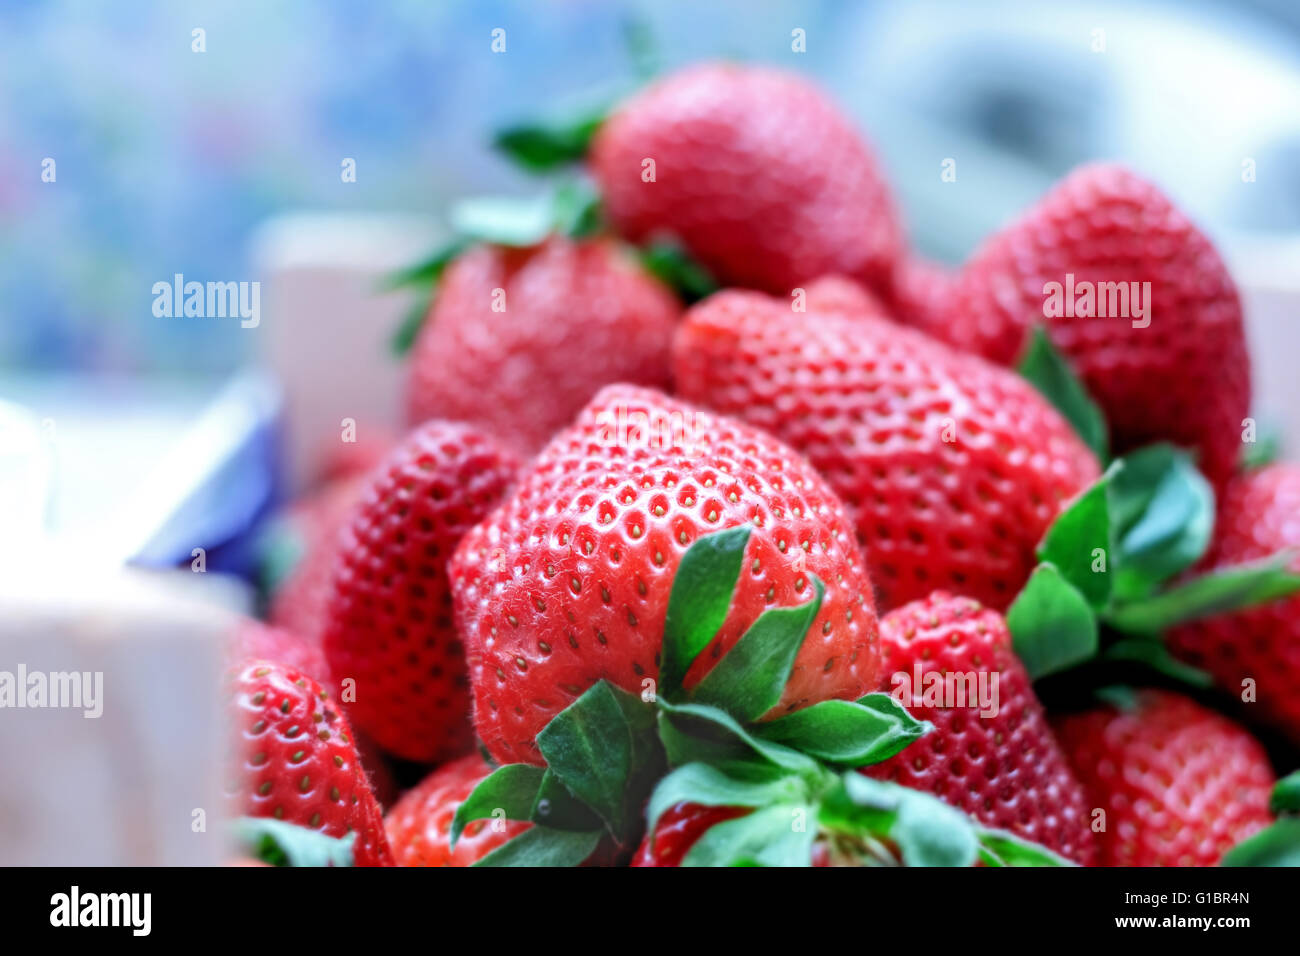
[(616, 761), (285, 844), (1118, 556)]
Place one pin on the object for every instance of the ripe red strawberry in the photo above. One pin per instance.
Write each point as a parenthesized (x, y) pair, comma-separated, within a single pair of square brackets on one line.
[(756, 171), (1000, 763), (1186, 377), (568, 581), (311, 529), (952, 467), (389, 624), (923, 296), (297, 762), (519, 339), (677, 831), (253, 640), (1259, 515), (419, 825), (1179, 784)]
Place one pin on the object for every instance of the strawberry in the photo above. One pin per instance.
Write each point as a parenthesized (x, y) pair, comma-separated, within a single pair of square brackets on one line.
[(568, 581), (389, 626), (297, 761), (676, 832), (519, 339), (419, 825), (308, 539), (253, 640), (999, 763), (1179, 785), (760, 176), (952, 467), (1185, 378), (1258, 516), (923, 296)]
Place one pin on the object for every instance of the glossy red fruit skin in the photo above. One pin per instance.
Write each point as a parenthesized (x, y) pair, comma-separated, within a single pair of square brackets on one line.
[(1004, 769), (1180, 784), (578, 315), (1259, 515), (300, 602), (297, 761), (253, 640), (676, 832), (389, 621), (1186, 377), (757, 173), (923, 296), (419, 824), (568, 581), (952, 467)]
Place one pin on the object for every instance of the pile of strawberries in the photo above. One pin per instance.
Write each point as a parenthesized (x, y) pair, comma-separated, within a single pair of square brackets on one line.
[(728, 532)]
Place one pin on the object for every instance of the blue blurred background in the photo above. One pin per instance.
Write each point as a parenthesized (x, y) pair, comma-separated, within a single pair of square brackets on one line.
[(167, 159)]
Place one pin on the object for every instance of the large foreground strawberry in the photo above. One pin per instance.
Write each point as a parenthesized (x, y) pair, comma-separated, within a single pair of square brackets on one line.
[(952, 467), (991, 753), (1178, 372), (1179, 785), (419, 825), (389, 638), (296, 760), (760, 176), (520, 338), (568, 581), (1254, 653)]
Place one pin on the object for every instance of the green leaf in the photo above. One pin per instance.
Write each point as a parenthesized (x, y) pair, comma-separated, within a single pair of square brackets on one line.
[(576, 209), (285, 844), (780, 835), (1152, 653), (1047, 370), (1162, 516), (710, 723), (1052, 626), (1266, 449), (1077, 535), (1218, 592), (412, 321), (428, 271), (542, 846), (551, 142), (505, 220), (511, 788), (279, 551), (1000, 848), (668, 260), (1286, 795), (712, 787), (926, 830), (748, 681), (697, 606), (850, 733), (589, 747), (559, 809), (1276, 845)]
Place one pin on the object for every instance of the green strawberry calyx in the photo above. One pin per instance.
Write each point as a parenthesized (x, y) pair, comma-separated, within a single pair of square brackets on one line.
[(1117, 558), (616, 761), (285, 844)]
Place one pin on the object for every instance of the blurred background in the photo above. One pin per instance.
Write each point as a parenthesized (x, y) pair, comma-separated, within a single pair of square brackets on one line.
[(143, 140)]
